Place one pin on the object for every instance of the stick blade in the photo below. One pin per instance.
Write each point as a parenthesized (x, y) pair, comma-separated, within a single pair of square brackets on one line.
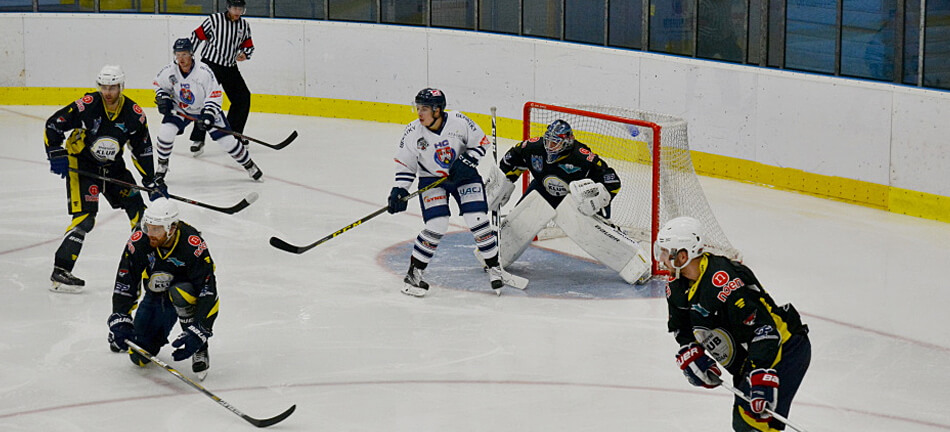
[(251, 197), (263, 423), (286, 142), (286, 247)]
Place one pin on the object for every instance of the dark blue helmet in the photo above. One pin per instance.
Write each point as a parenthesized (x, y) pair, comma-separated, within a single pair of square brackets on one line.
[(431, 97), (183, 44), (558, 139), (237, 3)]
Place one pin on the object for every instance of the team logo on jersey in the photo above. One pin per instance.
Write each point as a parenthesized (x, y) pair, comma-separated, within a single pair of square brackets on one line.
[(421, 144), (216, 94), (177, 262), (537, 163), (198, 243), (159, 282), (186, 96), (137, 109), (105, 149), (717, 342), (444, 154), (570, 169), (555, 186), (765, 332)]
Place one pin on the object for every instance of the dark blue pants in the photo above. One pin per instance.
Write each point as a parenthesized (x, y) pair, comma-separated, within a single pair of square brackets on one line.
[(796, 356)]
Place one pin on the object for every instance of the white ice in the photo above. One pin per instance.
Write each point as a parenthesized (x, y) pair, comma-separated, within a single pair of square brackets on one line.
[(329, 331)]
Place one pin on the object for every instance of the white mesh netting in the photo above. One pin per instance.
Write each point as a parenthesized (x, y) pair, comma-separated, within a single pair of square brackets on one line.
[(626, 144)]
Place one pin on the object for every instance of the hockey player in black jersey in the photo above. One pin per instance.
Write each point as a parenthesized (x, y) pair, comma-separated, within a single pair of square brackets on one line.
[(560, 165), (180, 286), (102, 124), (718, 307)]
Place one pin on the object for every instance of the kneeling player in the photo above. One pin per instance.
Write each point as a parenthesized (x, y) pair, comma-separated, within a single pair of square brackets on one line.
[(193, 88), (180, 286), (561, 166), (718, 306)]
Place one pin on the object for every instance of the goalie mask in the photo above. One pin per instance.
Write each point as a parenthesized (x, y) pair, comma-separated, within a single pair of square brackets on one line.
[(682, 233), (160, 221), (558, 140)]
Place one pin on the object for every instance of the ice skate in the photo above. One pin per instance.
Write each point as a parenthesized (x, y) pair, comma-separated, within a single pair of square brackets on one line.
[(415, 286), (197, 148), (200, 363), (253, 171), (63, 281)]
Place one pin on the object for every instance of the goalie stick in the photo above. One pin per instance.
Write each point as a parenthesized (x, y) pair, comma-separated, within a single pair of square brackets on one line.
[(261, 423), (777, 416), (508, 278), (284, 246), (278, 146), (250, 198)]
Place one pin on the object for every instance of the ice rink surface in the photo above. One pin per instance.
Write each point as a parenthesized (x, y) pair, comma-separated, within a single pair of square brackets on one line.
[(329, 331)]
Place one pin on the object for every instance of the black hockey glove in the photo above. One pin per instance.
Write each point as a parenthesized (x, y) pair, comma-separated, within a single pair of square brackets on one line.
[(396, 201), (165, 104), (158, 188), (464, 167), (763, 391), (58, 161), (205, 121), (700, 369), (190, 341), (120, 331)]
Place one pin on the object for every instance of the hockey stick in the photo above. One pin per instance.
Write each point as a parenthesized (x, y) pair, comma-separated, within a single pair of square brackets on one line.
[(284, 246), (261, 423), (508, 278), (278, 146), (250, 198), (777, 416)]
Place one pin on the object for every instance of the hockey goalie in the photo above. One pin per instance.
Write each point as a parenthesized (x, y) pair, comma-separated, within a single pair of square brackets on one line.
[(563, 167)]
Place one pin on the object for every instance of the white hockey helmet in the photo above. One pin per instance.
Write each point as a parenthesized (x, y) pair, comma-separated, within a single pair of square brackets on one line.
[(682, 233), (111, 75), (162, 212)]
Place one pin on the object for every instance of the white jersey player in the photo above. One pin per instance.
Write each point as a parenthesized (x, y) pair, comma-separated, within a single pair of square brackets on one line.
[(443, 144), (189, 87)]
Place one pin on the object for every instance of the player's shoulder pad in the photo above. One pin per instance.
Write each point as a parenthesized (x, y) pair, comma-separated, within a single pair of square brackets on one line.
[(137, 240), (204, 68), (167, 67), (191, 239), (88, 99), (723, 277)]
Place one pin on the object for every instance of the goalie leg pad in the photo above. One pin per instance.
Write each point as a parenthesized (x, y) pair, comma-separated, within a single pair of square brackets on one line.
[(521, 226), (607, 244)]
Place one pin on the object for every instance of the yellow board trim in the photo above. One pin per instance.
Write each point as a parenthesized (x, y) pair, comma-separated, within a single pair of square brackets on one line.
[(883, 197)]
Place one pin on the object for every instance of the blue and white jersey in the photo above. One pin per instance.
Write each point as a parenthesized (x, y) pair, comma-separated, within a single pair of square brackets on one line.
[(430, 154), (193, 92)]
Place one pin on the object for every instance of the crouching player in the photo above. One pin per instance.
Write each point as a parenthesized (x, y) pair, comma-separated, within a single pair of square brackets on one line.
[(561, 166), (717, 306), (180, 286)]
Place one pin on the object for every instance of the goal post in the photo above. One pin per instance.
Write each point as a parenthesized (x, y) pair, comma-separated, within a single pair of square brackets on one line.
[(650, 153)]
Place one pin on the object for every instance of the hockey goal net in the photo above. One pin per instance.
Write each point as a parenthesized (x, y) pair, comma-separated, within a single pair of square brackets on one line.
[(650, 153)]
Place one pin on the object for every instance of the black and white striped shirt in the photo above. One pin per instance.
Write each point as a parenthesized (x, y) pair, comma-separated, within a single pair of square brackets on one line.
[(224, 39)]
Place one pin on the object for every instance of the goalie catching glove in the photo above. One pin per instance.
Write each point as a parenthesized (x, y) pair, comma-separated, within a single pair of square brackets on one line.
[(589, 196), (700, 369)]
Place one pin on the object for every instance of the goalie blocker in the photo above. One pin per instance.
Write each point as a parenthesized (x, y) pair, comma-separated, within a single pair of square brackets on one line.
[(593, 234)]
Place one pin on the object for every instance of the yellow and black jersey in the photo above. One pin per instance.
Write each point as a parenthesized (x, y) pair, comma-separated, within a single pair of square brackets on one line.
[(99, 135), (187, 260), (578, 164), (730, 314)]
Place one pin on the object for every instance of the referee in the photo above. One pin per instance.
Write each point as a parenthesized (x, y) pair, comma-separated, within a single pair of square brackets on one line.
[(228, 41)]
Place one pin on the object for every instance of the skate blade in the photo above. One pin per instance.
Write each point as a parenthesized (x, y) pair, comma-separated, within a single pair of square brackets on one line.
[(412, 290), (202, 375), (59, 287)]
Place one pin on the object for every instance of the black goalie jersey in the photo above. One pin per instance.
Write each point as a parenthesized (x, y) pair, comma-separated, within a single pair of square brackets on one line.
[(99, 137), (188, 260), (730, 314), (551, 180)]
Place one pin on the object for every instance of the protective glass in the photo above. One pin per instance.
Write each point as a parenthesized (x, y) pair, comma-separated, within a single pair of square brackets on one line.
[(158, 231)]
